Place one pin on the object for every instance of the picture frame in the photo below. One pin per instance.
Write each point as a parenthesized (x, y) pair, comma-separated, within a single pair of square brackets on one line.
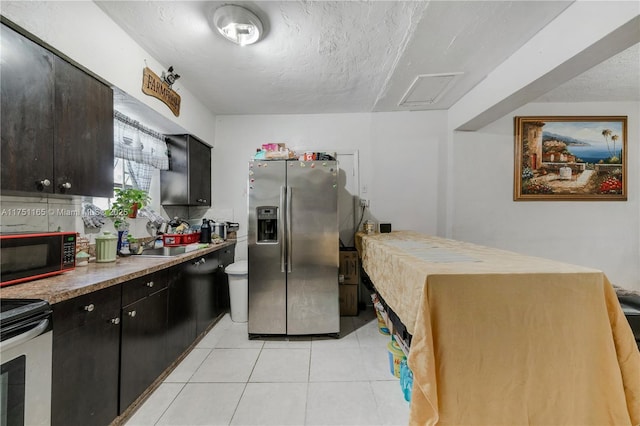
[(570, 158)]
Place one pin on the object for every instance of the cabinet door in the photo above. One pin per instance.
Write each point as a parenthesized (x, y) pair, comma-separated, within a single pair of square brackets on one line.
[(86, 351), (174, 184), (225, 257), (182, 313), (190, 169), (84, 133), (27, 87), (200, 273), (143, 346), (199, 173)]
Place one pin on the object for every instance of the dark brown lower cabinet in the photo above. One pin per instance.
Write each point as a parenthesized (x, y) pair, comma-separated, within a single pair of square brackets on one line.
[(225, 258), (182, 313), (109, 346), (143, 354), (201, 278), (86, 350)]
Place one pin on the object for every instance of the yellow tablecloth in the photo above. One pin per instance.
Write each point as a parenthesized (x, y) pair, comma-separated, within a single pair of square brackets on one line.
[(505, 339)]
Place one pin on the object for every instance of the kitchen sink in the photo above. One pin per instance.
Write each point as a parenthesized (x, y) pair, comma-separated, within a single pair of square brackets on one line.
[(164, 251)]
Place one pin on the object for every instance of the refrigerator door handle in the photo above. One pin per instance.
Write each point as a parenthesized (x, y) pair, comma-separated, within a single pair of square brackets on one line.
[(289, 220), (282, 219)]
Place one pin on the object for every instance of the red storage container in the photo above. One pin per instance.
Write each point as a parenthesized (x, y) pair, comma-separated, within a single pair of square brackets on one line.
[(191, 238), (170, 240)]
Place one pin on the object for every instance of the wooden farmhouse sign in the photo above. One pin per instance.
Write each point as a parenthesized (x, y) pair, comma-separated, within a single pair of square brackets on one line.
[(153, 85)]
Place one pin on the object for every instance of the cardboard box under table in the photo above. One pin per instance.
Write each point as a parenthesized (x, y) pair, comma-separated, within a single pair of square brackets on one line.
[(502, 338), (349, 280), (348, 300), (349, 266)]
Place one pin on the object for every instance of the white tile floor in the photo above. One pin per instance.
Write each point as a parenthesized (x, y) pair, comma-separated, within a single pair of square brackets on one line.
[(228, 379)]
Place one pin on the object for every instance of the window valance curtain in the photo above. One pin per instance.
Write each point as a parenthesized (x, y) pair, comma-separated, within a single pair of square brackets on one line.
[(138, 143), (143, 149)]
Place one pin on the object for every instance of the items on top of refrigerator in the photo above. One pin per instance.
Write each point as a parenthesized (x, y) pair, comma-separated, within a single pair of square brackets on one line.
[(317, 156), (273, 151), (279, 151)]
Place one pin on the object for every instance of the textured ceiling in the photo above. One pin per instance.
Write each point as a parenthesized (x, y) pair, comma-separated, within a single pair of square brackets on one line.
[(615, 80), (352, 56)]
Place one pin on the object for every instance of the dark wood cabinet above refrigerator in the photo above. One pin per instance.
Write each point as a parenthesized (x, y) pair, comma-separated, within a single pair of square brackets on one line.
[(57, 123), (188, 180)]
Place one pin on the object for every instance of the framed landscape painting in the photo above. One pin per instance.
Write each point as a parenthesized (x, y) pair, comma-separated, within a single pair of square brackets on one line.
[(570, 158)]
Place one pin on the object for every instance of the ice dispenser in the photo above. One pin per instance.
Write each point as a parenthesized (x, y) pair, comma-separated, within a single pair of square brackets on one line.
[(267, 224)]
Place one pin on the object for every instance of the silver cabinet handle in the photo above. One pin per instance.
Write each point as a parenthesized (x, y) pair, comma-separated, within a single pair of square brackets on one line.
[(89, 308), (150, 284), (115, 321), (45, 182), (66, 185), (199, 262), (201, 200), (131, 313)]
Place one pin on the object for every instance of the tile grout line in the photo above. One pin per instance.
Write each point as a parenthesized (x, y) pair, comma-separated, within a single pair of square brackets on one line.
[(246, 383), (169, 404), (200, 364), (306, 397)]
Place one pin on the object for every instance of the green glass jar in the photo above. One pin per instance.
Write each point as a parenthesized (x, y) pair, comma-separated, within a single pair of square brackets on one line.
[(106, 247)]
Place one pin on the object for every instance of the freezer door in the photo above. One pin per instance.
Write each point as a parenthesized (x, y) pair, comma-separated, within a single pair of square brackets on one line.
[(313, 256), (266, 246)]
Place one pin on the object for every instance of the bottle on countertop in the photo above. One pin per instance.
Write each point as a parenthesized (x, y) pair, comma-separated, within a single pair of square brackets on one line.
[(158, 243), (205, 231)]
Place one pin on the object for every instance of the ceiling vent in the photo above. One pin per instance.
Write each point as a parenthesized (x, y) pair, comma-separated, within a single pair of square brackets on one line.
[(427, 89)]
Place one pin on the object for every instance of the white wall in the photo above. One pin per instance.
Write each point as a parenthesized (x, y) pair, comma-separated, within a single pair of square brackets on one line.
[(398, 159), (599, 234)]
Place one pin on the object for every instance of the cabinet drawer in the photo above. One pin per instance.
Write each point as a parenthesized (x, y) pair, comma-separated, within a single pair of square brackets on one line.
[(103, 305), (203, 265), (226, 255), (142, 287)]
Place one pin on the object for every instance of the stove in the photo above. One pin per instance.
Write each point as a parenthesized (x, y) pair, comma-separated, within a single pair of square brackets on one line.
[(26, 354)]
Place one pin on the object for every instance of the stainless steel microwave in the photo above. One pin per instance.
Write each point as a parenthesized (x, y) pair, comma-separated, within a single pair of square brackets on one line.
[(26, 257)]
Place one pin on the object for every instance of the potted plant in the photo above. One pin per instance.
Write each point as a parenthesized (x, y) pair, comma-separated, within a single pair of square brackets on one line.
[(127, 201), (126, 205)]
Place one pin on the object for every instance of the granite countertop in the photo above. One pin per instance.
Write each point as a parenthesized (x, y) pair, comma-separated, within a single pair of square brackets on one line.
[(96, 276)]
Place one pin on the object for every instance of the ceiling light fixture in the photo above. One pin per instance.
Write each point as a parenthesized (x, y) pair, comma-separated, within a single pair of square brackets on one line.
[(237, 24)]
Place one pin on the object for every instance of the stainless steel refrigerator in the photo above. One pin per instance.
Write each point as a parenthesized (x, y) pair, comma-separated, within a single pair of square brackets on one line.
[(293, 247)]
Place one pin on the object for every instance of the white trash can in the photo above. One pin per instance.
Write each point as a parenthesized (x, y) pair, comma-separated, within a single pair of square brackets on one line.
[(238, 290)]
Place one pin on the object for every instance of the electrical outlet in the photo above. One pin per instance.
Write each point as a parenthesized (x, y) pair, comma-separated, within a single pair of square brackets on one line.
[(364, 203)]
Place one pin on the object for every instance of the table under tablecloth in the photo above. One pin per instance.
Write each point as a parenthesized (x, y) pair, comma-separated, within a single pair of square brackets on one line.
[(501, 338)]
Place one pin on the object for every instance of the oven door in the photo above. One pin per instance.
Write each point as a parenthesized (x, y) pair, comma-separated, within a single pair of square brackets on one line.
[(25, 375)]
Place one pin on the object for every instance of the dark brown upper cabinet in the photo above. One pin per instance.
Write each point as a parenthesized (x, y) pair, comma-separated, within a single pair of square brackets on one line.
[(188, 180), (57, 123), (83, 142)]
